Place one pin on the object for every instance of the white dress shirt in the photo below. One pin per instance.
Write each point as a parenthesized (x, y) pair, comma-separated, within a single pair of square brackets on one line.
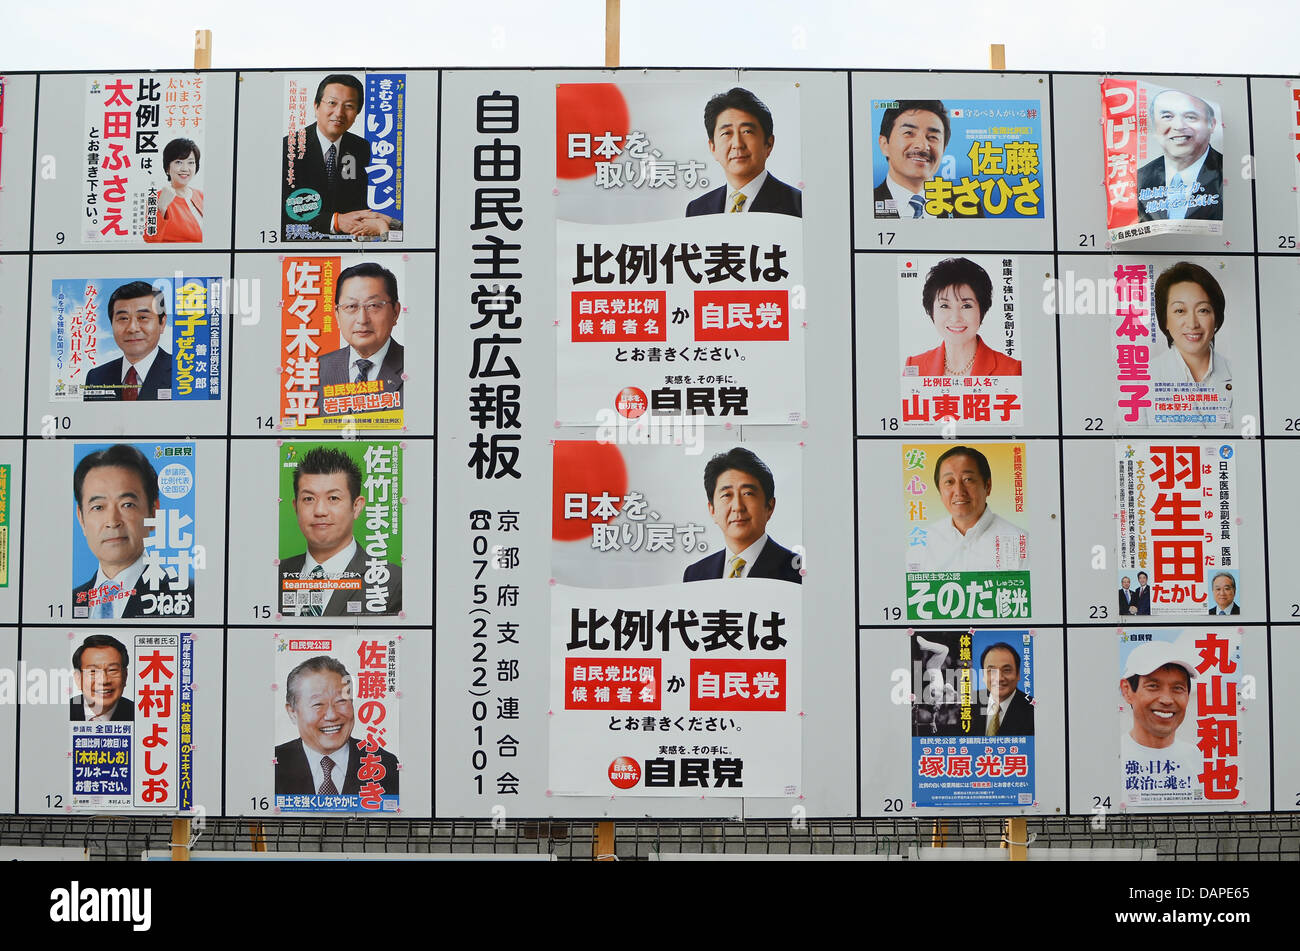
[(750, 190), (376, 359), (991, 544), (127, 579), (333, 567), (750, 555), (902, 199)]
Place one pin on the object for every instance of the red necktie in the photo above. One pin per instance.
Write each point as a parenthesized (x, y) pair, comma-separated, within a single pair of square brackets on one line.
[(131, 387)]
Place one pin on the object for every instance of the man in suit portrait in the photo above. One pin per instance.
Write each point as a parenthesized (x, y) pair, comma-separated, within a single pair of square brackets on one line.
[(323, 178), (334, 577), (1225, 594), (1008, 712), (913, 136), (115, 490), (99, 668), (1143, 597), (1127, 597), (138, 315), (367, 307), (740, 140), (742, 497), (1185, 181), (326, 759)]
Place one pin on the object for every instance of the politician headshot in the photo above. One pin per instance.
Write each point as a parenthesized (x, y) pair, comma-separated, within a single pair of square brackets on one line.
[(913, 136), (1185, 180), (331, 167), (1143, 597), (956, 296), (1190, 306), (367, 308), (740, 140), (100, 671), (1224, 587), (1008, 712), (1157, 686), (115, 490), (1127, 597), (327, 500), (326, 758), (742, 497), (138, 315), (974, 538)]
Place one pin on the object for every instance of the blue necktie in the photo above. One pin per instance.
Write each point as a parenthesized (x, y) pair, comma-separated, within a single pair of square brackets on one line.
[(917, 204)]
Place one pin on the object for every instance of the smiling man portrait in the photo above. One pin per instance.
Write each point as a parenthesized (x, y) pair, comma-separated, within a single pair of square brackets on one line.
[(742, 497), (144, 371), (740, 141), (371, 361), (100, 669), (1185, 181)]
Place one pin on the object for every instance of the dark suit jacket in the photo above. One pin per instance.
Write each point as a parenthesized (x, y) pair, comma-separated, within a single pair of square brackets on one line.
[(1235, 609), (1144, 600), (1019, 720), (334, 369), (1126, 600), (346, 194), (134, 606), (293, 775), (882, 193), (1152, 175), (292, 568), (774, 561), (105, 382), (775, 196), (124, 712)]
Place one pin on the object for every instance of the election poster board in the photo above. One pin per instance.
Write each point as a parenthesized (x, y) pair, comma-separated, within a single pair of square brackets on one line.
[(336, 727), (342, 358), (1163, 152), (957, 158), (966, 549), (133, 532), (132, 724), (143, 143), (973, 718), (343, 157), (340, 529), (668, 302), (1178, 532), (973, 377), (1180, 720), (673, 671), (129, 340)]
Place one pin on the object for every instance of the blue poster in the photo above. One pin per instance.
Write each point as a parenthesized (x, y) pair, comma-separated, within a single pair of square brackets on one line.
[(972, 718), (957, 158)]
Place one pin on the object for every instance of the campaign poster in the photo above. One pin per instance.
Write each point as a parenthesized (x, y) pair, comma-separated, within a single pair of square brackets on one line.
[(957, 158), (1163, 158), (960, 341), (143, 171), (340, 542), (336, 723), (679, 253), (676, 620), (966, 552), (343, 157), (132, 723), (972, 718), (1177, 524), (133, 530), (1169, 371), (1293, 107), (1179, 715), (5, 471), (130, 339), (342, 363)]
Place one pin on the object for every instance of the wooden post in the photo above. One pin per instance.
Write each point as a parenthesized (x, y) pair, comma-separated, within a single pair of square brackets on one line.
[(257, 834), (939, 837), (202, 49), (602, 850), (180, 840), (1014, 837), (611, 34), (997, 56)]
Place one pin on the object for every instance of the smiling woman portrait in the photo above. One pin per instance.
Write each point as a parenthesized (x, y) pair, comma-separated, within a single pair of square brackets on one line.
[(956, 296), (1189, 310), (180, 204)]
